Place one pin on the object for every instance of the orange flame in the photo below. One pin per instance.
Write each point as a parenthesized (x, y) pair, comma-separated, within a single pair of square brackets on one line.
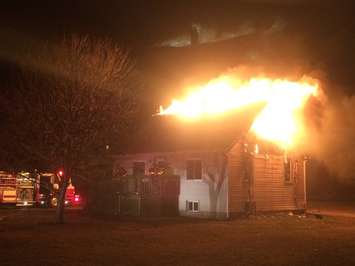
[(280, 121)]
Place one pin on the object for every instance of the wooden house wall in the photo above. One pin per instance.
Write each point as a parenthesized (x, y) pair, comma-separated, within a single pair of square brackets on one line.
[(238, 188), (271, 192), (266, 188)]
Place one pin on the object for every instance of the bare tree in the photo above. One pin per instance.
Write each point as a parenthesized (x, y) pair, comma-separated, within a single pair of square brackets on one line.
[(216, 175), (72, 101)]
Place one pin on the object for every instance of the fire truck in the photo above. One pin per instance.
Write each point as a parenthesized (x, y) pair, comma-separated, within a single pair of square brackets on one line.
[(25, 189), (47, 187), (29, 189), (8, 193), (48, 191)]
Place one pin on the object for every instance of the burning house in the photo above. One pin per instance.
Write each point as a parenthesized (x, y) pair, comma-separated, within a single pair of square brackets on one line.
[(231, 147), (220, 173)]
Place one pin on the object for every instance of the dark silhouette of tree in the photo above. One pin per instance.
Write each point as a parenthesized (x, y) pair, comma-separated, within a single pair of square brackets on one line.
[(216, 176), (73, 100)]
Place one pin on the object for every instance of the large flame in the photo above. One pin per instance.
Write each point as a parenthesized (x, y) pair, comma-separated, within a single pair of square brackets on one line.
[(280, 121)]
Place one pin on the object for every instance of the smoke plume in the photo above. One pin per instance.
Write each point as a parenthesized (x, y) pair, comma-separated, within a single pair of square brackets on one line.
[(333, 141)]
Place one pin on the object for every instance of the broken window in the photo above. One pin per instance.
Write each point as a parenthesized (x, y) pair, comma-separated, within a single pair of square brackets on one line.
[(194, 169)]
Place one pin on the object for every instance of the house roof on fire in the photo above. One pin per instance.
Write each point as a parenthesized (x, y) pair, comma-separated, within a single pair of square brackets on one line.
[(169, 133)]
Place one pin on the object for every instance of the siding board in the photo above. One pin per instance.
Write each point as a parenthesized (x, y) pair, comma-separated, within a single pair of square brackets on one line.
[(237, 192), (271, 193)]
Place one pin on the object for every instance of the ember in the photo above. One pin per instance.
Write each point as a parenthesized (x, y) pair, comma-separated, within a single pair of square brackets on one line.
[(280, 121)]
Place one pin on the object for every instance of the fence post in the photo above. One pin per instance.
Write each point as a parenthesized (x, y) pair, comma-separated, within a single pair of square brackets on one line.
[(118, 207), (139, 205)]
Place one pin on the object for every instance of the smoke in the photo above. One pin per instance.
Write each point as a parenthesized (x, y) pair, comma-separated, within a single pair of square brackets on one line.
[(332, 140), (207, 34), (210, 34), (329, 120)]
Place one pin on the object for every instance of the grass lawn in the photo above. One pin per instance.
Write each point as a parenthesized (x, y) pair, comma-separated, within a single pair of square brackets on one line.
[(30, 238)]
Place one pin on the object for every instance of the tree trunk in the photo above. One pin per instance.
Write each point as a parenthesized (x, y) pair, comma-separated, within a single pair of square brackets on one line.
[(215, 185), (213, 203), (61, 201)]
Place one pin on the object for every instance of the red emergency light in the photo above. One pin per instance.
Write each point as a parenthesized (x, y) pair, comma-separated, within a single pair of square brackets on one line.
[(60, 173), (76, 198)]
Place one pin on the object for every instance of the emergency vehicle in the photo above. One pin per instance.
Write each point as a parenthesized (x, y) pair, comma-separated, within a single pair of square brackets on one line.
[(8, 193), (25, 189), (48, 191)]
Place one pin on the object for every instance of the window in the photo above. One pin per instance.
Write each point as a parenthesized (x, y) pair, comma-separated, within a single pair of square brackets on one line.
[(138, 168), (246, 168), (287, 170), (45, 185), (194, 169), (295, 170), (192, 206)]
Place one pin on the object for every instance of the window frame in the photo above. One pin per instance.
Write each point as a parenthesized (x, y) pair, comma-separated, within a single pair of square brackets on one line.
[(192, 202), (288, 171)]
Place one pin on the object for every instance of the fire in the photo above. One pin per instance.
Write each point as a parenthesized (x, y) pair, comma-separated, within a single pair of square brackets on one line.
[(280, 121)]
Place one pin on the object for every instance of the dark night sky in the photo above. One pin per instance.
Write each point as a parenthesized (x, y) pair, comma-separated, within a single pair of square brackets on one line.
[(323, 31), (144, 21)]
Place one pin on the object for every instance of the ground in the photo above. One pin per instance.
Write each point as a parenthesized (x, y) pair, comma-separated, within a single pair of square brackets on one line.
[(334, 208), (29, 237)]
